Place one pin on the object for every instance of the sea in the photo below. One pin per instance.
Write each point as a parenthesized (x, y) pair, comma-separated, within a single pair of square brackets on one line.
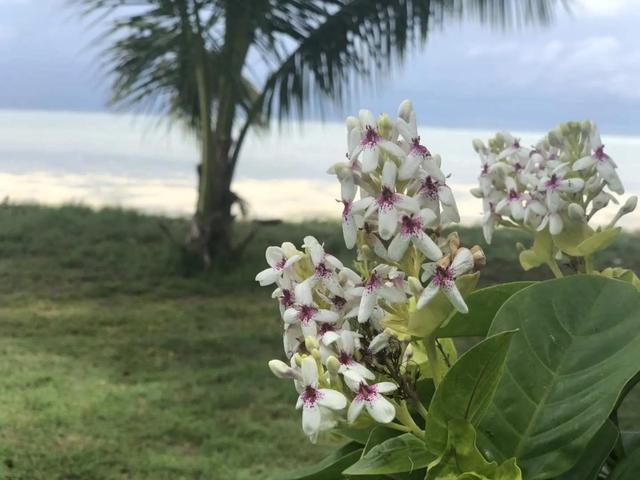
[(142, 162)]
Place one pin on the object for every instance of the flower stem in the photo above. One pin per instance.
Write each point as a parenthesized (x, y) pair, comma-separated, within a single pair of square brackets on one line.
[(397, 426), (421, 410), (432, 356), (553, 266), (405, 418), (588, 264)]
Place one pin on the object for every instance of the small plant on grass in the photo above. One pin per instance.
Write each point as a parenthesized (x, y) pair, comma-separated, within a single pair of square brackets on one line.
[(371, 349)]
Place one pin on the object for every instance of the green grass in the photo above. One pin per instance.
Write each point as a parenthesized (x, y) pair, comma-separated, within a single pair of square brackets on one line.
[(117, 362)]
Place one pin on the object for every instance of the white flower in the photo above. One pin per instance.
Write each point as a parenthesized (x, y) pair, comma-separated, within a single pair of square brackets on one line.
[(417, 154), (280, 259), (556, 184), (371, 143), (307, 314), (412, 230), (325, 266), (349, 367), (312, 398), (385, 282), (513, 147), (605, 166), (433, 193), (388, 202), (512, 202), (553, 219), (443, 279), (369, 397), (491, 219), (379, 342)]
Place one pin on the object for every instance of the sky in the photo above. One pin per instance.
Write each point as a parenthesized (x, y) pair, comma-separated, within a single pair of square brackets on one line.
[(586, 65)]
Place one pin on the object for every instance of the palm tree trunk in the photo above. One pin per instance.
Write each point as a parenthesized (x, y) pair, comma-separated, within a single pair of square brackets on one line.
[(213, 223)]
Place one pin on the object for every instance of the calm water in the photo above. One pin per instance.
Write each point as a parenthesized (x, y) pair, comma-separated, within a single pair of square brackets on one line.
[(104, 159)]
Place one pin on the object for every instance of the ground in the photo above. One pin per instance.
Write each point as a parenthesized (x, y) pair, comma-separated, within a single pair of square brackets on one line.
[(120, 362)]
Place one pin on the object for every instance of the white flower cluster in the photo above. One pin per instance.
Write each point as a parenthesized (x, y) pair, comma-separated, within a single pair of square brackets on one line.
[(566, 177), (396, 202)]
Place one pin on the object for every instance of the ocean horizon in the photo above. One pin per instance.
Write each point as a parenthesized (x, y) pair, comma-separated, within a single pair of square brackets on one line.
[(136, 161)]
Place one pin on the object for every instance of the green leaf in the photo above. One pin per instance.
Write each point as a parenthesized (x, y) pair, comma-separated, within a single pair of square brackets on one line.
[(594, 456), (427, 320), (628, 468), (404, 453), (461, 459), (331, 467), (599, 240), (572, 236), (483, 305), (540, 253), (378, 435), (622, 274), (630, 440), (578, 345), (467, 389)]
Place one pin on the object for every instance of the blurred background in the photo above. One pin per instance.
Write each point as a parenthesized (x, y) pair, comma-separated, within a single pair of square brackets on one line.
[(151, 149)]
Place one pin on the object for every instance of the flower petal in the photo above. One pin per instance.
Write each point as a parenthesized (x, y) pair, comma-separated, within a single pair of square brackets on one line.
[(267, 277), (584, 163), (426, 245), (386, 387), (398, 246), (273, 255), (455, 297), (427, 295), (368, 301), (354, 410), (325, 316), (381, 409), (309, 371), (462, 262), (387, 222), (311, 419), (332, 399), (369, 159)]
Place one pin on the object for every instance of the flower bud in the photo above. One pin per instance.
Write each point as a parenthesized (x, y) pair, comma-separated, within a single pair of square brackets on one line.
[(477, 192), (352, 122), (405, 109), (333, 365), (311, 343), (282, 370), (380, 342), (453, 240), (520, 247), (630, 205), (556, 137), (437, 159), (576, 212), (385, 125), (479, 258), (479, 146), (414, 286)]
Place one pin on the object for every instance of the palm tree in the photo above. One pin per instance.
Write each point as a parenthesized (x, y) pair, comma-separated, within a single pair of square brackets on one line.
[(191, 59)]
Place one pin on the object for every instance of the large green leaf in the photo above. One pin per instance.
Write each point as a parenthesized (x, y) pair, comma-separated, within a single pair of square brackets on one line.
[(331, 467), (404, 453), (629, 467), (461, 459), (483, 305), (578, 345), (594, 456), (467, 389)]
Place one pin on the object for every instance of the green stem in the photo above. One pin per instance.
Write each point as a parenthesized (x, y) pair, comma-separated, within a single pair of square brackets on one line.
[(405, 418), (397, 426), (432, 356), (421, 410), (588, 264), (553, 266)]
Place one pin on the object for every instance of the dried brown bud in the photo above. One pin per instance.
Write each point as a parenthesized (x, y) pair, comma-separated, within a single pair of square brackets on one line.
[(479, 258)]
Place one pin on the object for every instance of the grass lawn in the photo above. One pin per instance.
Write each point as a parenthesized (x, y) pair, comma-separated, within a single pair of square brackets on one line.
[(116, 362)]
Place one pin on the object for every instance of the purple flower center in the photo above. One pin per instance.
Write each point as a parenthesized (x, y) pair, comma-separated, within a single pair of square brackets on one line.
[(553, 182), (338, 302), (429, 188), (513, 195), (418, 149), (387, 198), (287, 298), (600, 155), (322, 271), (325, 328), (280, 265), (306, 313), (345, 359), (371, 137), (373, 283), (367, 393), (485, 170), (516, 143), (517, 167), (443, 277), (310, 396), (410, 225), (346, 211)]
